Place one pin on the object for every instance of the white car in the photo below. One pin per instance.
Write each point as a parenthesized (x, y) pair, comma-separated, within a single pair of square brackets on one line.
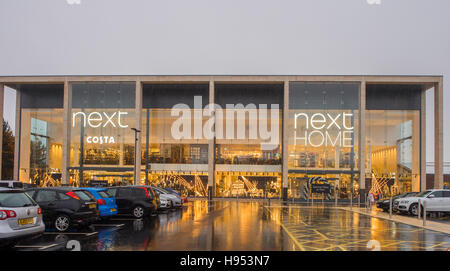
[(20, 217), (175, 200), (437, 200)]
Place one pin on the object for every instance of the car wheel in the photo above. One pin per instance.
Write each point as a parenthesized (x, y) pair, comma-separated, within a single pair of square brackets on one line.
[(414, 209), (138, 212), (62, 223)]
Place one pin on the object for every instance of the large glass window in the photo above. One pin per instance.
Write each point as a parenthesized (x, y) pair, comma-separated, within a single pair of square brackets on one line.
[(103, 115), (393, 138), (249, 126), (323, 137), (41, 123), (175, 149)]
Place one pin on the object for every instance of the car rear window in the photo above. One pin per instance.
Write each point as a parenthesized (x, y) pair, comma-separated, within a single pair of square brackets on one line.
[(15, 200), (112, 191), (83, 195), (139, 192), (104, 194)]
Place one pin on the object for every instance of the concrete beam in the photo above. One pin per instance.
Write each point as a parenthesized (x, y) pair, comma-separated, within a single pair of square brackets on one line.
[(2, 97), (439, 134), (17, 137), (362, 139), (211, 150), (423, 141), (138, 125), (285, 142), (67, 125)]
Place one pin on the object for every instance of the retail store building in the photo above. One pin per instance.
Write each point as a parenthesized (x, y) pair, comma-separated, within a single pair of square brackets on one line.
[(228, 136)]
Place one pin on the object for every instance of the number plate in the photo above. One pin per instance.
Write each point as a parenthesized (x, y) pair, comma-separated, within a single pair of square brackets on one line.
[(113, 210), (26, 221), (92, 206)]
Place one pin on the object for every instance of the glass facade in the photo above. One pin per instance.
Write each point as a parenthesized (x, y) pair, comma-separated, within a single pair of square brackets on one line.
[(102, 142), (393, 138), (41, 134), (248, 140), (175, 154), (322, 136)]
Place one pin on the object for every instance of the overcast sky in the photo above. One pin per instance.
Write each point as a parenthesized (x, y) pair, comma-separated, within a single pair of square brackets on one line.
[(304, 37)]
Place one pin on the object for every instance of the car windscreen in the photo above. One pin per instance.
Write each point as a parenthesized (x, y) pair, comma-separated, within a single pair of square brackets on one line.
[(83, 195), (104, 194), (162, 191), (423, 194), (15, 199)]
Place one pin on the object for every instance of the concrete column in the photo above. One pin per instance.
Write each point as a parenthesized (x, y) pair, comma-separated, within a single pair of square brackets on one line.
[(211, 150), (138, 150), (2, 96), (362, 141), (423, 142), (17, 137), (67, 125), (285, 146), (439, 134)]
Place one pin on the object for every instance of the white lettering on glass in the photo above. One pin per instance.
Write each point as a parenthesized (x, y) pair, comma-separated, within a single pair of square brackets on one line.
[(323, 129)]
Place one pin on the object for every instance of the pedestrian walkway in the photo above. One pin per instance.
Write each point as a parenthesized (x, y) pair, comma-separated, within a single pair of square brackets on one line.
[(413, 221)]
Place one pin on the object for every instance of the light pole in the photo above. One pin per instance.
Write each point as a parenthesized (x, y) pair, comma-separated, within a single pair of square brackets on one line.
[(136, 131)]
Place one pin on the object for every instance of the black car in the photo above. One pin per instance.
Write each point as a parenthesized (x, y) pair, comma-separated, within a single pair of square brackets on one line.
[(65, 207), (384, 203), (133, 200)]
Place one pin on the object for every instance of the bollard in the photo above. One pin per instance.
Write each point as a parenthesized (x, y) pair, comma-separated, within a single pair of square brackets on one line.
[(312, 201), (359, 200), (424, 212), (419, 207), (351, 200), (390, 207), (335, 199)]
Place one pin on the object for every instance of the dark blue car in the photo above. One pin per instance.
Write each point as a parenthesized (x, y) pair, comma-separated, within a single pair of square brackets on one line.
[(106, 203)]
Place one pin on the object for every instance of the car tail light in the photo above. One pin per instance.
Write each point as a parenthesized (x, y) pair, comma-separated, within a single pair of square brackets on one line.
[(72, 195), (146, 192), (4, 214), (39, 211), (101, 202)]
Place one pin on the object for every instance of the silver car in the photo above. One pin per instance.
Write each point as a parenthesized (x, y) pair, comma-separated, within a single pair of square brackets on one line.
[(20, 217), (175, 201)]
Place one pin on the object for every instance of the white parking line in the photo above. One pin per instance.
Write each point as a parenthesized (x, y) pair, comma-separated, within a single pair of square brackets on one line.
[(20, 246), (108, 225), (126, 219), (73, 233), (49, 246)]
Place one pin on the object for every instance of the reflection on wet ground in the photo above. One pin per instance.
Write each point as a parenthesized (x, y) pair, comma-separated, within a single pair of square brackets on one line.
[(327, 228), (234, 225)]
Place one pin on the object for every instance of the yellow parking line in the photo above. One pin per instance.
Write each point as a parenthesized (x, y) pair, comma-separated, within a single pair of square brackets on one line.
[(290, 234)]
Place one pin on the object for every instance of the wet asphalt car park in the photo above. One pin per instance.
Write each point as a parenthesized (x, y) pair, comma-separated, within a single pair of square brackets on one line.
[(238, 225)]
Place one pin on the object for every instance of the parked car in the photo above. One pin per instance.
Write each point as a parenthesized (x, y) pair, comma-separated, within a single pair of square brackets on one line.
[(106, 203), (173, 191), (384, 203), (20, 217), (175, 200), (16, 184), (155, 196), (133, 200), (11, 184), (437, 200), (65, 207)]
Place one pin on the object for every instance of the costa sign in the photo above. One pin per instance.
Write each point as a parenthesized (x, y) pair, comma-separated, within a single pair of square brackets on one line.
[(321, 129)]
